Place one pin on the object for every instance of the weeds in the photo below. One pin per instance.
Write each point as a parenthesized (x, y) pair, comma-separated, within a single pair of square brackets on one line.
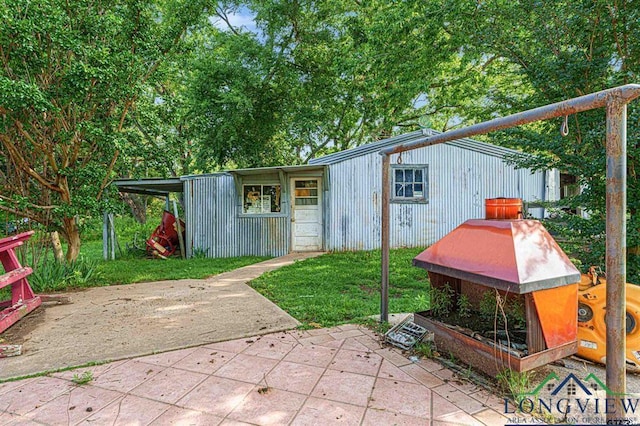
[(373, 324), (82, 379), (441, 300), (199, 253), (422, 302), (425, 349), (53, 276), (464, 306), (502, 310), (514, 383)]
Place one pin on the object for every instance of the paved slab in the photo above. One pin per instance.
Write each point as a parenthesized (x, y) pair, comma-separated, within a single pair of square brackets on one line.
[(341, 376), (111, 323)]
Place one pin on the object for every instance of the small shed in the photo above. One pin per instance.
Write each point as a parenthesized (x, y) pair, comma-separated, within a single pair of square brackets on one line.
[(333, 203)]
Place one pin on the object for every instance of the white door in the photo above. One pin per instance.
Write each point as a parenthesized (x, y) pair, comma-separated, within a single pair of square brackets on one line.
[(306, 215)]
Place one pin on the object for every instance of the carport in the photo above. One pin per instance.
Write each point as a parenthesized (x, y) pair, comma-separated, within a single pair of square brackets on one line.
[(147, 186)]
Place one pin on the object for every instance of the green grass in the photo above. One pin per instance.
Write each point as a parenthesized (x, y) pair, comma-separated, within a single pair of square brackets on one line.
[(341, 287), (82, 379), (126, 271), (130, 268)]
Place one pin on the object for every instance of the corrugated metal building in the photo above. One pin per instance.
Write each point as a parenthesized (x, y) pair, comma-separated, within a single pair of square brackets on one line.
[(333, 203)]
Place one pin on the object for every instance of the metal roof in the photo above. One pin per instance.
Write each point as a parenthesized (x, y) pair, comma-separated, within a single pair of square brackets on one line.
[(469, 144), (149, 186), (258, 171), (286, 169)]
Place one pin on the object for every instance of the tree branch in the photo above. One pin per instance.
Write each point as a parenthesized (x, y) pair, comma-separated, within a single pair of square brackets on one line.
[(19, 161), (35, 206), (107, 176), (23, 213), (223, 15)]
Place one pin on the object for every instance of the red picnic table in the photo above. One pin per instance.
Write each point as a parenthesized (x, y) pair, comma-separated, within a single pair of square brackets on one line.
[(22, 299)]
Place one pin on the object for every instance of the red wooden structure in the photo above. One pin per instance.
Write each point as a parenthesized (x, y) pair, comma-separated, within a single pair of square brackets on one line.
[(22, 299)]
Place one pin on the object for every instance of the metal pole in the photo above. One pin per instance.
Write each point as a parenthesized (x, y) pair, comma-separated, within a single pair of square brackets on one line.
[(616, 229), (183, 254), (112, 236), (384, 288), (105, 236)]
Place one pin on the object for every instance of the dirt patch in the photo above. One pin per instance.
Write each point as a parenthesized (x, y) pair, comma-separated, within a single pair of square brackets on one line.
[(368, 290), (15, 335)]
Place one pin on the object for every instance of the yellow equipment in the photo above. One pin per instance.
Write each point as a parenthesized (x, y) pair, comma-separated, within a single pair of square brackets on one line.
[(592, 332)]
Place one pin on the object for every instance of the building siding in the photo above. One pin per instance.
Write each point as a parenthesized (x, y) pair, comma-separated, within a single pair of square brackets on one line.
[(214, 224), (459, 182), (461, 176)]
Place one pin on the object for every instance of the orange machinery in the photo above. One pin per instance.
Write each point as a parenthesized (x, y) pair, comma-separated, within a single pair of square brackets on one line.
[(592, 332)]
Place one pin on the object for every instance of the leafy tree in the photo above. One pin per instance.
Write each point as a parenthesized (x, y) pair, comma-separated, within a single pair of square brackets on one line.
[(71, 73), (320, 76), (561, 50)]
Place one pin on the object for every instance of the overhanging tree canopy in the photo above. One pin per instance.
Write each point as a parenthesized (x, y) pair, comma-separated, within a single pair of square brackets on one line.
[(70, 74)]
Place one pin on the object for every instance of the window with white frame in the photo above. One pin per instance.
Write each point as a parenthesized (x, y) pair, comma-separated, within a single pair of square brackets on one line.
[(261, 198), (410, 183)]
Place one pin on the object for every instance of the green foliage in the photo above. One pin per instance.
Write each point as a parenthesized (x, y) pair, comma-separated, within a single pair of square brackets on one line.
[(464, 306), (199, 253), (130, 269), (323, 76), (422, 301), (514, 383), (559, 50), (50, 275), (70, 74), (340, 287), (425, 349), (82, 379), (441, 300), (379, 327), (494, 308)]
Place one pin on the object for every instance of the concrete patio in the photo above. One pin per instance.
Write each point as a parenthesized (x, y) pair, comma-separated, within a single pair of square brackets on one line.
[(125, 321), (340, 375)]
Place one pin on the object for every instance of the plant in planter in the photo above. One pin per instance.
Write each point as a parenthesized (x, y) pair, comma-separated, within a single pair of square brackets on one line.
[(441, 301), (465, 309)]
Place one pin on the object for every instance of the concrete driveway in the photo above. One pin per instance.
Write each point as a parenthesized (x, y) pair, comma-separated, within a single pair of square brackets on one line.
[(112, 323)]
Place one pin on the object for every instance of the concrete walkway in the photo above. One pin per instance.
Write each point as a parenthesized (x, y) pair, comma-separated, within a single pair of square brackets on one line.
[(111, 323), (335, 376)]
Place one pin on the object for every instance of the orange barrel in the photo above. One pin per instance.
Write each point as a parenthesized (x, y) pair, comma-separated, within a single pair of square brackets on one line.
[(503, 208)]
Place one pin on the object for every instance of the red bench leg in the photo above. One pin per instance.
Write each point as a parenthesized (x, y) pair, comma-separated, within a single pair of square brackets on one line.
[(23, 300)]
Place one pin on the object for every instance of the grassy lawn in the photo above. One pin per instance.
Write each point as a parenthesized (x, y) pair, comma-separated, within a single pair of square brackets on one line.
[(340, 287), (91, 270), (125, 271), (134, 269)]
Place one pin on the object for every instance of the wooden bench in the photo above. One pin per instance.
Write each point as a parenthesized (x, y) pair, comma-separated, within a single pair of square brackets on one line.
[(22, 299)]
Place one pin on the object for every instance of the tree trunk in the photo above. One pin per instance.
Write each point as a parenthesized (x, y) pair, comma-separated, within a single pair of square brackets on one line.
[(71, 234), (138, 206), (57, 247)]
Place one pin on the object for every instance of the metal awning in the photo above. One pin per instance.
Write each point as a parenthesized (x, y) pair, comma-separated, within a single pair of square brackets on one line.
[(150, 186), (286, 169)]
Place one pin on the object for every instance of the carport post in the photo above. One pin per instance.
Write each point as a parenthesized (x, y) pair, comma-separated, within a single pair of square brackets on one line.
[(105, 236), (384, 288)]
